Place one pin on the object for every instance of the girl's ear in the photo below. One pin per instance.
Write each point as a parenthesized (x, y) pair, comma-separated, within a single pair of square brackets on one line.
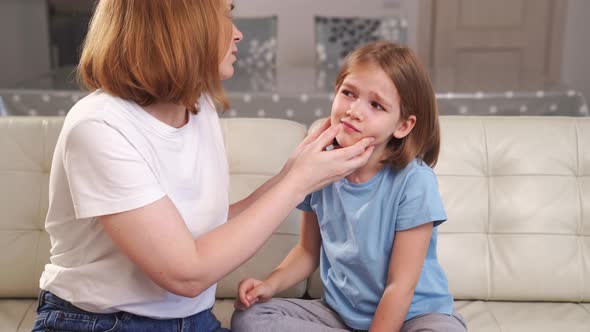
[(405, 127)]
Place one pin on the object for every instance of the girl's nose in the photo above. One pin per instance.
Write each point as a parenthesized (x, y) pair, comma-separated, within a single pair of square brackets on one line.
[(354, 111)]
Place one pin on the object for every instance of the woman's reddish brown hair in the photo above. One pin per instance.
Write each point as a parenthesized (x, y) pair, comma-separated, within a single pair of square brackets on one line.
[(151, 51)]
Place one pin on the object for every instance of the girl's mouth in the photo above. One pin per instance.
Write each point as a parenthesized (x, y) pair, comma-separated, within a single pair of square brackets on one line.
[(349, 128)]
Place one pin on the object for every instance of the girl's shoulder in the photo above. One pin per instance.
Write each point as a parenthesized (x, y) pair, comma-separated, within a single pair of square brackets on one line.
[(416, 167), (416, 176)]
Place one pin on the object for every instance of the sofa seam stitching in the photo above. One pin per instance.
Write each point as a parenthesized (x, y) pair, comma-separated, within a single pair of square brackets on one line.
[(20, 323), (581, 209), (493, 316), (45, 125), (488, 178)]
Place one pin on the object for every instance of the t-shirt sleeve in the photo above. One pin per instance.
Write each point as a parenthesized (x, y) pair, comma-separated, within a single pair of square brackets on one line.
[(420, 202), (306, 204), (105, 172)]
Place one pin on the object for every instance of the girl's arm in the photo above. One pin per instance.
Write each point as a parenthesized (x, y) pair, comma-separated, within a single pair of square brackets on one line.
[(405, 265), (303, 259), (299, 264)]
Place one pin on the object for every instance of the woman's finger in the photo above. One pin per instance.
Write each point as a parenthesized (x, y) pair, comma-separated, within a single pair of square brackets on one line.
[(317, 132), (326, 137), (361, 159), (355, 150)]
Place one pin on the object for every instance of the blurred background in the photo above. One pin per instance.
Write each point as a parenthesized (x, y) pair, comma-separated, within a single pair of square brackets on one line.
[(485, 57)]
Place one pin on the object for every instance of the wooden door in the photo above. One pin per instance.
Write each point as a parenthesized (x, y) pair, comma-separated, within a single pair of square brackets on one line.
[(495, 45)]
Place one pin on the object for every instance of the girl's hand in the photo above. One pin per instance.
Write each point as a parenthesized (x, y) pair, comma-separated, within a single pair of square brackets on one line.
[(311, 167), (251, 291)]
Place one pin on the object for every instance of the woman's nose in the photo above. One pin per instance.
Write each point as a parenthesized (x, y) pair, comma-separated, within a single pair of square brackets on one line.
[(237, 34)]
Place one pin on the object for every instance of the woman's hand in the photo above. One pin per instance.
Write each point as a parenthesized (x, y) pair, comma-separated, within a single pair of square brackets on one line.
[(311, 167), (251, 291), (310, 138)]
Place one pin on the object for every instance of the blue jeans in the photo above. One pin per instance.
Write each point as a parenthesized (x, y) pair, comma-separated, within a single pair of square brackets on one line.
[(55, 314)]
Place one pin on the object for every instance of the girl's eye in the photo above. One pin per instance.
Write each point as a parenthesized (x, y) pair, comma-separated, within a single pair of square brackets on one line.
[(377, 106), (347, 93)]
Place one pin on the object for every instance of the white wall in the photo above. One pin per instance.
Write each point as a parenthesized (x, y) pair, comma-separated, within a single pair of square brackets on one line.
[(296, 49), (576, 56), (24, 40)]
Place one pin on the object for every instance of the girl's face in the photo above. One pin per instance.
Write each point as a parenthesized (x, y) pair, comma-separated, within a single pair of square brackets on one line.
[(368, 105), (226, 67)]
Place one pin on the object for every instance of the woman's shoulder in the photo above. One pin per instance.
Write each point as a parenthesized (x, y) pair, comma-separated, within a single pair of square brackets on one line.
[(97, 106)]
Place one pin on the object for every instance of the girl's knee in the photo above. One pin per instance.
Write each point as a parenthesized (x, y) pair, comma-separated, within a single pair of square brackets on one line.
[(245, 321)]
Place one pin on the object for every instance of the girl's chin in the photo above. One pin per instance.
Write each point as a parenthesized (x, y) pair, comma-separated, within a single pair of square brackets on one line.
[(343, 141)]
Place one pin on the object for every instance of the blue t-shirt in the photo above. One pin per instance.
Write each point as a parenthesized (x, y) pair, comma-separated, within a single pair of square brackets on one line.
[(358, 224)]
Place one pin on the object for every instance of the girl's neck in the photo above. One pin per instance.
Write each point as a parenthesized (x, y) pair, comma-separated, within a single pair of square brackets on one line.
[(369, 170)]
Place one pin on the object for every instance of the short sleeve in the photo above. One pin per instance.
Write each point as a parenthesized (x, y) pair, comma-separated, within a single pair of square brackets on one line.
[(306, 204), (420, 202), (105, 172)]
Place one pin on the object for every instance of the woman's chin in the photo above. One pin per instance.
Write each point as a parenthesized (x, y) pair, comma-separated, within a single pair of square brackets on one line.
[(226, 73)]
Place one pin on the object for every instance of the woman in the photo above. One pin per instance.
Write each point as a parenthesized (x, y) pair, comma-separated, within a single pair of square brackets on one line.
[(139, 179)]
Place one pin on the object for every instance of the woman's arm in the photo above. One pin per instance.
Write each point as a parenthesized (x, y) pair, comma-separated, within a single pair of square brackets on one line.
[(239, 206), (156, 239), (407, 258)]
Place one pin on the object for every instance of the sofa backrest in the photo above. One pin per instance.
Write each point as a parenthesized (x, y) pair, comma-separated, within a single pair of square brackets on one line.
[(257, 149), (517, 195), (516, 190)]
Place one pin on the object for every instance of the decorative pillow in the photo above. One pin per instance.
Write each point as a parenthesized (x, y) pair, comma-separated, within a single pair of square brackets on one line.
[(256, 67), (337, 36)]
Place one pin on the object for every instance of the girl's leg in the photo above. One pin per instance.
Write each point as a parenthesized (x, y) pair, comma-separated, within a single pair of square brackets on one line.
[(436, 322), (288, 315)]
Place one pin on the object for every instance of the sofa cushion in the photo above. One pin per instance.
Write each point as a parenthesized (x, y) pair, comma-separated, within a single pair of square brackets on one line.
[(17, 315), (517, 193), (27, 149), (524, 316)]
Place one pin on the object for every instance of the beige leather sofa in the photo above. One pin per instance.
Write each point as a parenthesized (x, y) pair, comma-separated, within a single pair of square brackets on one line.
[(516, 247)]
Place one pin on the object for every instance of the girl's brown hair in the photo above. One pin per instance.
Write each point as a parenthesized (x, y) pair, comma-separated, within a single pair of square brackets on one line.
[(416, 98), (151, 51)]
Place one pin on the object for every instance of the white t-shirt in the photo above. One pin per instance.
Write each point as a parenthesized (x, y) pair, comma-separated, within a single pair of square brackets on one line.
[(112, 156)]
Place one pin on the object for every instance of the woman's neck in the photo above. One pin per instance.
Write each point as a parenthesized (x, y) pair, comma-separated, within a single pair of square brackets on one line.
[(173, 115)]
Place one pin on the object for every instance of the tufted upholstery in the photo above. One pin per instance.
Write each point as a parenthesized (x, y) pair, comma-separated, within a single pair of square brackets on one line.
[(516, 247)]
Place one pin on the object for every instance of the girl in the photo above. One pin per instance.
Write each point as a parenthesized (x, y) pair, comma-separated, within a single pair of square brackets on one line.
[(139, 183), (373, 233)]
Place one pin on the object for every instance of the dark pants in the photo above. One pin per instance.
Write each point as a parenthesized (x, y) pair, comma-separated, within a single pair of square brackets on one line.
[(54, 313)]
